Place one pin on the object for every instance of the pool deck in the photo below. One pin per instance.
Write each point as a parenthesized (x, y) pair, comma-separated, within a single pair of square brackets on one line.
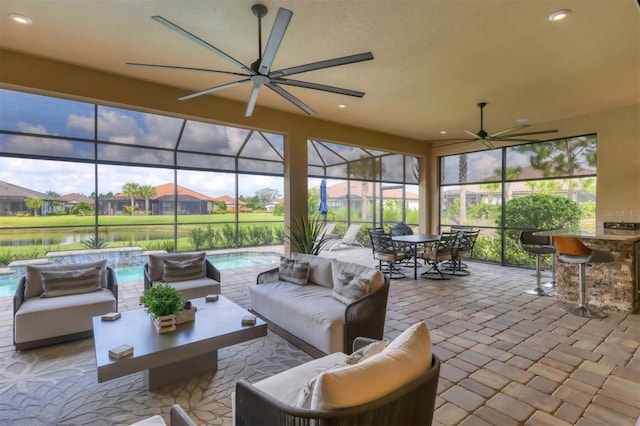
[(508, 357)]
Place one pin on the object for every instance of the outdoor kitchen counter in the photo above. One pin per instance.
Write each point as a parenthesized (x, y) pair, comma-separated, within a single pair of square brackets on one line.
[(610, 286)]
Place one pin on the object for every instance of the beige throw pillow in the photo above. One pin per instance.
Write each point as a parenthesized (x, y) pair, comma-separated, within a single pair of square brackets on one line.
[(64, 283), (33, 286), (304, 399), (348, 288), (293, 271), (176, 270), (404, 359)]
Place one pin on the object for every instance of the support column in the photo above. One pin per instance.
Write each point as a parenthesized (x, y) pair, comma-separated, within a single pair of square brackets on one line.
[(295, 182)]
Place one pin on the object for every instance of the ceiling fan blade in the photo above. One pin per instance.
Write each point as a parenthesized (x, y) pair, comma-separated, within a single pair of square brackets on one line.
[(201, 42), (214, 89), (322, 64), (509, 130), (172, 67), (275, 38), (539, 132), (458, 140), (288, 96), (253, 98), (488, 144), (509, 139), (470, 133), (317, 86)]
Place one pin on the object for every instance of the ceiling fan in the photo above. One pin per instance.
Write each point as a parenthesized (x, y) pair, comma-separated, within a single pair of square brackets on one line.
[(259, 73), (501, 136)]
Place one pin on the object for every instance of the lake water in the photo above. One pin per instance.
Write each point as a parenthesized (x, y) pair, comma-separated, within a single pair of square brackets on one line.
[(9, 282)]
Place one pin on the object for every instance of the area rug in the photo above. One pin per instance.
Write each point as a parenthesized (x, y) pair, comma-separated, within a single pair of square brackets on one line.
[(58, 385)]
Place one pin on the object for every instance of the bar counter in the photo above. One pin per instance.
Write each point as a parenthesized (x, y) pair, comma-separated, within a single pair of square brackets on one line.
[(609, 286)]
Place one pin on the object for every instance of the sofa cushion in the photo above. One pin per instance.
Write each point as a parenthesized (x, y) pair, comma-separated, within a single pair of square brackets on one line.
[(192, 289), (348, 288), (40, 318), (404, 359), (156, 263), (320, 272), (308, 312), (286, 386), (33, 284), (375, 277), (304, 398), (64, 283), (293, 271), (183, 270)]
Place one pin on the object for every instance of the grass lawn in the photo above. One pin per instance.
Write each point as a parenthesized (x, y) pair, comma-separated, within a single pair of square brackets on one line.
[(72, 220), (24, 237)]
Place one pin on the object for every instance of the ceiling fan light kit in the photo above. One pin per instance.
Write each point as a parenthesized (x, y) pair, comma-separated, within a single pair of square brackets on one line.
[(259, 72)]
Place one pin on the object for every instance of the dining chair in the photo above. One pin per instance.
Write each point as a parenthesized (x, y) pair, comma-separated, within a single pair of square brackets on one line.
[(438, 252), (387, 254), (462, 248)]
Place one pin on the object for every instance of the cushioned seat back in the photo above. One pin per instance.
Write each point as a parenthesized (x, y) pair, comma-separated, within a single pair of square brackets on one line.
[(33, 286), (375, 277), (156, 262), (321, 272)]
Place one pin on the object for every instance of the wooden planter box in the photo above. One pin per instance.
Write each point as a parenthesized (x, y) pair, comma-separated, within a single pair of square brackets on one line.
[(165, 324)]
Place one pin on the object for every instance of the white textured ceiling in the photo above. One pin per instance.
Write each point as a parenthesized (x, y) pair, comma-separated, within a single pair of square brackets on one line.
[(434, 59)]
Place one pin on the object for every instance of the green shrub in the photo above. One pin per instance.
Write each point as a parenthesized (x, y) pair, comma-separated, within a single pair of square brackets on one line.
[(6, 257), (229, 236), (540, 211), (166, 245), (93, 243), (197, 238)]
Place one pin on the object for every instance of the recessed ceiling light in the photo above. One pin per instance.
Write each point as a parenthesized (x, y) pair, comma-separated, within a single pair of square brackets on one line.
[(443, 132), (20, 19), (559, 15), (342, 106)]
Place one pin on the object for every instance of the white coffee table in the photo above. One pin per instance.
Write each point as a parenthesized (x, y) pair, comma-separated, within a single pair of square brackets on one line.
[(192, 349)]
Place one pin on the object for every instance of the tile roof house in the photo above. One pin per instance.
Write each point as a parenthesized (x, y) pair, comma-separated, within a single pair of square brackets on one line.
[(12, 200)]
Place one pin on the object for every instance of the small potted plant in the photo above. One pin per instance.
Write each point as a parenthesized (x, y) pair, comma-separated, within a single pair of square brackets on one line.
[(163, 302)]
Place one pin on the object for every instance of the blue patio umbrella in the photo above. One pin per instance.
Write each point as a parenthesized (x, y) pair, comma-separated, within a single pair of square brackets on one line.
[(322, 208)]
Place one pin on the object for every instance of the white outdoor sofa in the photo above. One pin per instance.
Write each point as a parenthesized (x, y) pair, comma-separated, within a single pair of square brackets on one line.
[(311, 314)]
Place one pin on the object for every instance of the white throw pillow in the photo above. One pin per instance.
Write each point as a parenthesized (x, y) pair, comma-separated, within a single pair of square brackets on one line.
[(375, 277), (348, 288), (404, 359), (293, 271), (304, 399)]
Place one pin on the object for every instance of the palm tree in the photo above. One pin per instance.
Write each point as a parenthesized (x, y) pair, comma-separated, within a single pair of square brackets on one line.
[(146, 191), (366, 169), (131, 189)]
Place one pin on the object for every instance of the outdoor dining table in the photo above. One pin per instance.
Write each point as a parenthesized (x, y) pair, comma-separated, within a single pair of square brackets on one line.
[(412, 241)]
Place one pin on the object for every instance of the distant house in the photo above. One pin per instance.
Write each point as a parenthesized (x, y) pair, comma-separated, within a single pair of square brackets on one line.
[(12, 200), (230, 202), (340, 194), (163, 203), (71, 200)]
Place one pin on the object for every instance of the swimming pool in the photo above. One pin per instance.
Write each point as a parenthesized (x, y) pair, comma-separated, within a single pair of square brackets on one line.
[(9, 282)]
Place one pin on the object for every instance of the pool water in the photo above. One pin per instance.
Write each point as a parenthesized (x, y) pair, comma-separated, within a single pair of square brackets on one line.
[(8, 283)]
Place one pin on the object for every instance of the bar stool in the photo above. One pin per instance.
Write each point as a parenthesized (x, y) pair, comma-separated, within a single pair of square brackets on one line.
[(572, 250), (538, 245)]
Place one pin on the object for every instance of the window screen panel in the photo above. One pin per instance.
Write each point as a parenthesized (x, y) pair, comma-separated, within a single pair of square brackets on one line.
[(137, 128), (33, 146), (134, 155)]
